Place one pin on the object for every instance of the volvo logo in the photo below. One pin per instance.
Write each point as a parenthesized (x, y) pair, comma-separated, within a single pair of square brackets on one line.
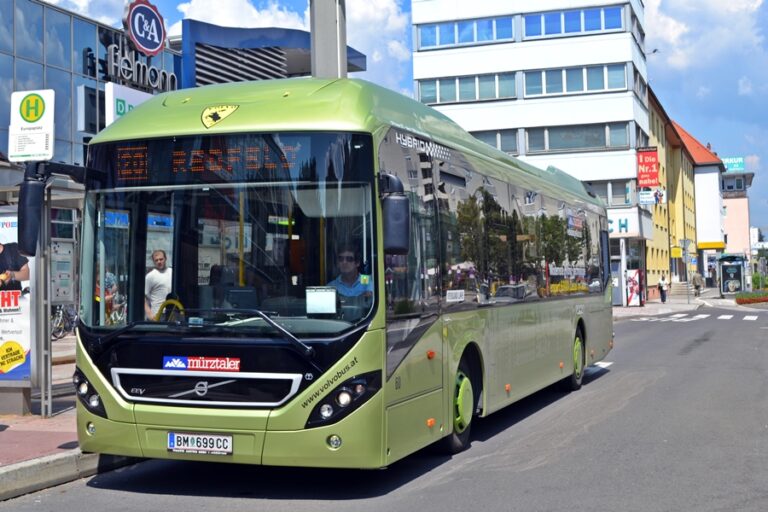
[(201, 388)]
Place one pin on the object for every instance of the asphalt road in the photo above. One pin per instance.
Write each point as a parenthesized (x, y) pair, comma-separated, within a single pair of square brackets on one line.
[(677, 422)]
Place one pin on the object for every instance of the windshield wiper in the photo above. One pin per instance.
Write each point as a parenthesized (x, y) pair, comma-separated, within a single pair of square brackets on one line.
[(102, 342), (304, 349)]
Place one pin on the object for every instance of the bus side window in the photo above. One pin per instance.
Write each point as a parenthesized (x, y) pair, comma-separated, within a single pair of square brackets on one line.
[(411, 280)]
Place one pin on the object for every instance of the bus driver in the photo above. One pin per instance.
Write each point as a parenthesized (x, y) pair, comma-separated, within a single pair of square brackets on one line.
[(350, 282)]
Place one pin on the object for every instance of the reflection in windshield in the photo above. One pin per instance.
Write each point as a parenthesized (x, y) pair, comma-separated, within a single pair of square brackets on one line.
[(214, 255)]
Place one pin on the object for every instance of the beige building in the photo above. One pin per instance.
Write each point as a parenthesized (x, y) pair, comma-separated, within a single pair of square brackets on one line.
[(734, 185)]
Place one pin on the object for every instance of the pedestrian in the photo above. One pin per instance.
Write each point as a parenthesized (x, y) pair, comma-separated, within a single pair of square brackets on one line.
[(698, 282), (157, 284), (663, 287), (14, 268)]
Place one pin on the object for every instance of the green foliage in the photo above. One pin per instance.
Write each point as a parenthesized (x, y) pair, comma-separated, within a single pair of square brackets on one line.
[(759, 281), (404, 307)]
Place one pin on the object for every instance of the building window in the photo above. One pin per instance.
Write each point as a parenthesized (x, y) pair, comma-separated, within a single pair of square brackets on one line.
[(553, 24), (428, 91), (578, 137), (505, 140), (486, 87), (611, 77), (58, 50), (28, 24), (470, 88), (447, 33), (620, 193), (447, 90), (427, 36), (465, 32), (6, 20), (507, 85)]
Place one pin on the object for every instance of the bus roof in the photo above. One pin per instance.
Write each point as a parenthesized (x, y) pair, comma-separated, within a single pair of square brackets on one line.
[(314, 104)]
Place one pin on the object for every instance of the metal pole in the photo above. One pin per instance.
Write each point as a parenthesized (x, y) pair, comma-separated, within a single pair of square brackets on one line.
[(328, 32), (43, 321)]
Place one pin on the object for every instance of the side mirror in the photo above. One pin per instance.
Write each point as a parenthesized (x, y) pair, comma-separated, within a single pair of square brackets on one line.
[(396, 210), (31, 196)]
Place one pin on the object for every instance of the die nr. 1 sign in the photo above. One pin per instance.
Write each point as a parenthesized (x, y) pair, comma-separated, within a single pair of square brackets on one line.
[(30, 134)]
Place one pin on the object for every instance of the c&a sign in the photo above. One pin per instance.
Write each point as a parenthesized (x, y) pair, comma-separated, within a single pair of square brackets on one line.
[(145, 27)]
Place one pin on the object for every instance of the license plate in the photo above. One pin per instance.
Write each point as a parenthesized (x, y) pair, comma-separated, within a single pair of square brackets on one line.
[(183, 442)]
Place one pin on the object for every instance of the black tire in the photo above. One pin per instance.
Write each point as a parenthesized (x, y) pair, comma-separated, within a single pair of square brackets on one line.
[(463, 406), (574, 380)]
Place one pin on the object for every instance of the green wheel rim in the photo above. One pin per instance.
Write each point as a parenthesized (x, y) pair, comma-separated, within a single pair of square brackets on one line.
[(578, 358), (464, 402)]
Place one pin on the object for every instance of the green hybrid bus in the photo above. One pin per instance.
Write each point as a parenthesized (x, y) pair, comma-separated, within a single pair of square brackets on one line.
[(349, 277)]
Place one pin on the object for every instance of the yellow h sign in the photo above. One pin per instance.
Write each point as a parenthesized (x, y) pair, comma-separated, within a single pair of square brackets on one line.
[(32, 108)]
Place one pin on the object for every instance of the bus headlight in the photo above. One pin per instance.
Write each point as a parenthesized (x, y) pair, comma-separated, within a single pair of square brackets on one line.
[(326, 411), (345, 398), (88, 397)]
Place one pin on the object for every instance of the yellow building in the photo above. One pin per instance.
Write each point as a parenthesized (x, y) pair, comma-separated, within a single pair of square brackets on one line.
[(674, 216)]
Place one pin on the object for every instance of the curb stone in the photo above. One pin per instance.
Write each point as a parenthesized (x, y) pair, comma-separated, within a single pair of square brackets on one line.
[(37, 474)]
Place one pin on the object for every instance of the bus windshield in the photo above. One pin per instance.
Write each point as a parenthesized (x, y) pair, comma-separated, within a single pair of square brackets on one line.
[(215, 233)]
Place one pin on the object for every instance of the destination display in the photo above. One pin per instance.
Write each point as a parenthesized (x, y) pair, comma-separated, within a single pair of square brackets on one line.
[(235, 158)]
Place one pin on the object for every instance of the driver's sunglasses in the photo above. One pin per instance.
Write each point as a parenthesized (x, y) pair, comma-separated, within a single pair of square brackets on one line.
[(350, 259)]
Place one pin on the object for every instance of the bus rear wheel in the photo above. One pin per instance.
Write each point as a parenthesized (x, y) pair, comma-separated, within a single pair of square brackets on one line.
[(574, 381), (463, 404)]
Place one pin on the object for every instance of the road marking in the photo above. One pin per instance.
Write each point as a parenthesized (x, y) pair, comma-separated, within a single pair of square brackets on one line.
[(750, 317), (679, 315), (701, 316), (725, 317), (604, 364)]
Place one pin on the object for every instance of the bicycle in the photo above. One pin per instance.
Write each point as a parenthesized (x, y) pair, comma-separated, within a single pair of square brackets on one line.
[(116, 315), (63, 321)]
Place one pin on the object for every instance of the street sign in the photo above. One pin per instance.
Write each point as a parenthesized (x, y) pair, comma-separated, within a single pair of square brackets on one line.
[(30, 134)]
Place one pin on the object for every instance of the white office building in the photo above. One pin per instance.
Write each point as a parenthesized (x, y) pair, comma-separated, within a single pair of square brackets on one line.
[(553, 82)]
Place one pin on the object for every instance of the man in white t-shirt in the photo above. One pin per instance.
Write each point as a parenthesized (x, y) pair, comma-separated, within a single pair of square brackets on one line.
[(157, 284)]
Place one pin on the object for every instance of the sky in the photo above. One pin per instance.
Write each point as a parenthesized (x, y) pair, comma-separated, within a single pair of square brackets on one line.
[(707, 60)]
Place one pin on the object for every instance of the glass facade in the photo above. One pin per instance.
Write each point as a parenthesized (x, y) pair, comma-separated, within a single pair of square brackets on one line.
[(44, 47)]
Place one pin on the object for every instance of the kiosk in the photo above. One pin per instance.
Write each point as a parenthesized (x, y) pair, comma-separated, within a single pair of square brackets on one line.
[(731, 268)]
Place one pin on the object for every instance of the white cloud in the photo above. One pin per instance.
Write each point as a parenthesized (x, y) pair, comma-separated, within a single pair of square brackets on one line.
[(752, 162), (240, 13), (698, 33), (377, 28), (703, 91), (109, 12), (745, 86)]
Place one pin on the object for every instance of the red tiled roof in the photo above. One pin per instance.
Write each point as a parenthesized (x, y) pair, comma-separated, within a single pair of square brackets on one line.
[(699, 152)]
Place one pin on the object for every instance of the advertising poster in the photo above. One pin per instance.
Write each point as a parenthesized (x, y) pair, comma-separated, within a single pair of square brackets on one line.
[(15, 306), (655, 195), (731, 278), (634, 287), (647, 168)]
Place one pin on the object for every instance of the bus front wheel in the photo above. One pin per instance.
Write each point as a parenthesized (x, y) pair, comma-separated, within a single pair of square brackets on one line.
[(578, 353), (463, 407)]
